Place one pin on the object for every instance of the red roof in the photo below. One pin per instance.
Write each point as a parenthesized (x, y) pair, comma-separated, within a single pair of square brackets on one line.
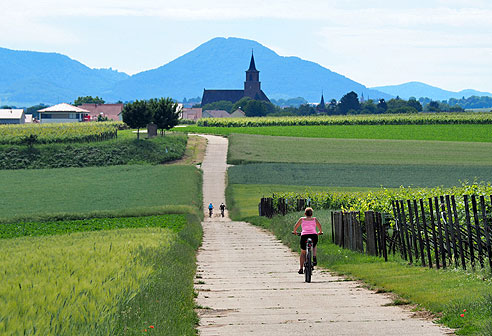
[(111, 111)]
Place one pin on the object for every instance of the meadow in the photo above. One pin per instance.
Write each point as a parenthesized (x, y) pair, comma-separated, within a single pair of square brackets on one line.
[(356, 175), (245, 148), (439, 132), (77, 193)]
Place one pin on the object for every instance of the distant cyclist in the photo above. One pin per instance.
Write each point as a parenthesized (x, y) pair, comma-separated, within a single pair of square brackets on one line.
[(308, 225), (210, 209), (222, 209)]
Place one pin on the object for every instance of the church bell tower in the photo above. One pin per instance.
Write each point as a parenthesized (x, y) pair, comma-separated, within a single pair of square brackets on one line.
[(252, 85)]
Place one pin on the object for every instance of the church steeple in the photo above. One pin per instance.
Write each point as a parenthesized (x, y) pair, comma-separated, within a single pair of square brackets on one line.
[(252, 66), (252, 85), (321, 108), (322, 102)]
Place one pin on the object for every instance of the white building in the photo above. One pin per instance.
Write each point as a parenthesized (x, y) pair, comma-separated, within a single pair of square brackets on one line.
[(62, 113), (12, 116)]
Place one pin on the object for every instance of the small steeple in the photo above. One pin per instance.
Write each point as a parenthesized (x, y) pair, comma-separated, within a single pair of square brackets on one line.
[(322, 102), (252, 66)]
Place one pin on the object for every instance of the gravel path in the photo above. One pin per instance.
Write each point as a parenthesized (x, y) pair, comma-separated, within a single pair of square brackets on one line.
[(248, 283)]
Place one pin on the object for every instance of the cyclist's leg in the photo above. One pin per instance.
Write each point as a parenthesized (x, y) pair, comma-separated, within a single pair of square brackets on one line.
[(302, 259)]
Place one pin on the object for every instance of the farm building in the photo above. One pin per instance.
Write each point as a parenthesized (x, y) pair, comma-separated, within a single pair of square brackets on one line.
[(12, 116), (216, 114), (110, 111), (191, 113), (238, 114), (63, 113)]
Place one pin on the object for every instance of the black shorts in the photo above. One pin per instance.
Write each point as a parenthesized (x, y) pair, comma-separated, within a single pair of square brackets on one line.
[(304, 239)]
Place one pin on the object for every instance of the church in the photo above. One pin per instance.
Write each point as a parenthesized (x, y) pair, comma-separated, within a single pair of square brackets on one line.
[(252, 89)]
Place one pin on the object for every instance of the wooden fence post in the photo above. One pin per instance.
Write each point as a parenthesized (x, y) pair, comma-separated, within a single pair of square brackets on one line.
[(441, 240), (458, 232), (434, 236), (401, 228), (382, 232), (413, 239), (426, 234), (445, 223), (478, 230), (469, 231), (370, 233), (405, 230), (451, 229), (486, 230), (419, 233)]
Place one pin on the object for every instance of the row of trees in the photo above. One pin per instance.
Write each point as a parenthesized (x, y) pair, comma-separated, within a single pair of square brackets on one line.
[(163, 112)]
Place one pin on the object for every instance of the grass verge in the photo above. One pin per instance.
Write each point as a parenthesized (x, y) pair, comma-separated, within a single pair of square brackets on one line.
[(446, 293)]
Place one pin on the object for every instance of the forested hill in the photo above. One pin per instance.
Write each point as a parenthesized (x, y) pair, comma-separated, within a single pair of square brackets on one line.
[(28, 78), (221, 64), (418, 89)]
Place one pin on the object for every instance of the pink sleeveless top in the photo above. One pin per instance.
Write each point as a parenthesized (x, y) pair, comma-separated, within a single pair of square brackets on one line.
[(308, 226)]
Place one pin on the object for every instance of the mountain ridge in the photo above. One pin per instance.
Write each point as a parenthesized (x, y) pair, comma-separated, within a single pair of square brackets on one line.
[(418, 89), (32, 77)]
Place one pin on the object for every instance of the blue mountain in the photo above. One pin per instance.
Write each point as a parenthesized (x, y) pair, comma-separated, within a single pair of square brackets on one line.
[(418, 89), (221, 64), (28, 78)]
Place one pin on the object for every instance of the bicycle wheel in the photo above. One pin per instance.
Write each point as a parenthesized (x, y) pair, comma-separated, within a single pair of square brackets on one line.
[(308, 265)]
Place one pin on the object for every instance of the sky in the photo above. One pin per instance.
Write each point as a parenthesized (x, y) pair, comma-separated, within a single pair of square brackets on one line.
[(445, 43)]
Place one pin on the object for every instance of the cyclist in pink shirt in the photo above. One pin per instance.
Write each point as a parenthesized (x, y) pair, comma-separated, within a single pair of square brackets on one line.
[(308, 225)]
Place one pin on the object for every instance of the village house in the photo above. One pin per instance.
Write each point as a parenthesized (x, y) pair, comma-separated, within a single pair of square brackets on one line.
[(12, 116), (110, 111), (194, 113), (216, 114), (63, 113)]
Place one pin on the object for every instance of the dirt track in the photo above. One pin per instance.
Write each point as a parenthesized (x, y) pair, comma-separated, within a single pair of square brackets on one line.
[(248, 283)]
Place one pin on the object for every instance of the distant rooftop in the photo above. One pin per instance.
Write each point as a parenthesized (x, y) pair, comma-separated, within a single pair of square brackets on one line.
[(11, 113), (64, 107)]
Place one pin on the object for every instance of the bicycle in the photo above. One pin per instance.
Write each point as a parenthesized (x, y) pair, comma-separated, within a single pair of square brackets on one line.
[(308, 261)]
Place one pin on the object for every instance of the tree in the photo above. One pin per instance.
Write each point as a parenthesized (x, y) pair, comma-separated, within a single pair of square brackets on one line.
[(368, 107), (165, 113), (241, 103), (219, 105), (433, 106), (255, 108), (382, 106), (349, 102), (88, 100), (137, 115), (412, 102), (332, 107)]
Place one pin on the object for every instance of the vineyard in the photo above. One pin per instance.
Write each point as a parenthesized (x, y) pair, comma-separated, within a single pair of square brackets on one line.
[(58, 133), (380, 200), (381, 119)]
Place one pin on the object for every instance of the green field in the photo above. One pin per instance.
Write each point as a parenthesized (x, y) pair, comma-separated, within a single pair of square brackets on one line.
[(455, 132), (130, 190), (245, 148), (356, 175), (110, 282)]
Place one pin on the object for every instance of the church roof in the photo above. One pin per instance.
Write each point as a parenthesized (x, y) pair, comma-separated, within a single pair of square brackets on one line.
[(261, 96), (252, 66), (211, 96)]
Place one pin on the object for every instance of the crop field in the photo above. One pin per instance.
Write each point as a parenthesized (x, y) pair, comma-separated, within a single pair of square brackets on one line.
[(244, 148), (356, 175), (174, 222), (373, 119), (58, 133), (438, 132), (85, 192), (70, 283)]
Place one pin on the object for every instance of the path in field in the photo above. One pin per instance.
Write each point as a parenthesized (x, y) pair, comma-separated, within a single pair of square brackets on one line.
[(248, 283)]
